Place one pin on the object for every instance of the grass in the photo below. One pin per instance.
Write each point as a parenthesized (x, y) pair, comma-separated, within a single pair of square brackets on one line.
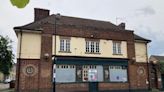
[(6, 90)]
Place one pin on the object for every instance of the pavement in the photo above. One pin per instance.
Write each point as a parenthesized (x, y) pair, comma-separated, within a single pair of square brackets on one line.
[(4, 86)]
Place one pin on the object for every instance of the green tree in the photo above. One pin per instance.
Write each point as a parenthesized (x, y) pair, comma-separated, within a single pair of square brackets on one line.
[(19, 3), (161, 66), (6, 56)]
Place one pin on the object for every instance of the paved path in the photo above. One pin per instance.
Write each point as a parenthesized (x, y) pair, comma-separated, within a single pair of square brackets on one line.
[(4, 86)]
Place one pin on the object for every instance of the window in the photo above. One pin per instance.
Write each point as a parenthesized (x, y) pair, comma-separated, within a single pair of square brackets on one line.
[(65, 45), (92, 46), (118, 73), (86, 70), (65, 73), (116, 47)]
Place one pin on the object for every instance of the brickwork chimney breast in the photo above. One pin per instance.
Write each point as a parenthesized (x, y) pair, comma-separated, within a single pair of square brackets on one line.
[(40, 13), (122, 25)]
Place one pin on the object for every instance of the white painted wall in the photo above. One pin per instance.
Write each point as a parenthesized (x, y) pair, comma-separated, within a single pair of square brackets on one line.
[(31, 45), (141, 51), (78, 48)]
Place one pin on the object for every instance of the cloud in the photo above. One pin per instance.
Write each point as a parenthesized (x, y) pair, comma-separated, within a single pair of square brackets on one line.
[(161, 54), (156, 45), (148, 10)]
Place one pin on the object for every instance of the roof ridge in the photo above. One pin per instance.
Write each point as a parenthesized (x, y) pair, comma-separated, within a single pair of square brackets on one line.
[(89, 19), (157, 55)]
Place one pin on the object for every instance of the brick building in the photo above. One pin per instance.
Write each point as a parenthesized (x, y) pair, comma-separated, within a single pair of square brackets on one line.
[(80, 55), (157, 71)]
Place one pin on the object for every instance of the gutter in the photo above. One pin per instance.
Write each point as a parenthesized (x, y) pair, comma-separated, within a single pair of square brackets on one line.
[(19, 60)]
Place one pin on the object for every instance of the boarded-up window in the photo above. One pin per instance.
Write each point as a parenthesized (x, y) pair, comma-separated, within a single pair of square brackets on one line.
[(117, 73), (65, 73)]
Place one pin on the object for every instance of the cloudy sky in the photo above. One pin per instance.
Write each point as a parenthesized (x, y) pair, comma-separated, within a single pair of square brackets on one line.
[(145, 17)]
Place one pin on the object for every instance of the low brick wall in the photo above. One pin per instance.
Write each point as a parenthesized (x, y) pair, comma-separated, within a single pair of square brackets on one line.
[(72, 87), (83, 87), (113, 86)]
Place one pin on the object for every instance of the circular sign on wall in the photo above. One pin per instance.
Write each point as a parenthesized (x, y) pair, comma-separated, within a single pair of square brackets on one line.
[(141, 70), (30, 70)]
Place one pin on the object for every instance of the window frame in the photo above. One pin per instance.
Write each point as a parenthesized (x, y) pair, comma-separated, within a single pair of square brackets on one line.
[(119, 68), (65, 44), (85, 71), (92, 46), (117, 48)]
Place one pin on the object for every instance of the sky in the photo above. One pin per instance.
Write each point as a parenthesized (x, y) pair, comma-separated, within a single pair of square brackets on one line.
[(144, 17)]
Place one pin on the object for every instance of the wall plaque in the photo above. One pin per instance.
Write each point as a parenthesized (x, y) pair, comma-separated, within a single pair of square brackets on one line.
[(141, 70), (30, 70)]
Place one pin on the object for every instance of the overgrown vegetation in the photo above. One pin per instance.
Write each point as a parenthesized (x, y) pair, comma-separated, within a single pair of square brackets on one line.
[(161, 67), (6, 56)]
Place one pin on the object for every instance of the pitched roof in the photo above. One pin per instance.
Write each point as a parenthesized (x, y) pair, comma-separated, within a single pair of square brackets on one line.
[(159, 58), (137, 37), (67, 20)]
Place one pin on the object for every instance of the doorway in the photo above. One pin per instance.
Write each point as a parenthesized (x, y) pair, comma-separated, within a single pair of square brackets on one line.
[(162, 77), (154, 79), (93, 86)]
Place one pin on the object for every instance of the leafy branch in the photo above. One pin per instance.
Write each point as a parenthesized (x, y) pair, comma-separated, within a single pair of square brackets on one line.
[(19, 3)]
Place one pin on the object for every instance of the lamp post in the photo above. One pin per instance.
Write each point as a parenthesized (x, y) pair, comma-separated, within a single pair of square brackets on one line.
[(57, 17)]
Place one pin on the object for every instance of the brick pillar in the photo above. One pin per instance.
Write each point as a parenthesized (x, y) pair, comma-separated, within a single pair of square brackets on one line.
[(131, 55), (136, 80), (46, 63)]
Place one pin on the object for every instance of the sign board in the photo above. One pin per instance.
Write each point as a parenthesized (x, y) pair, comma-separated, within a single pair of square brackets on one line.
[(92, 75), (159, 79)]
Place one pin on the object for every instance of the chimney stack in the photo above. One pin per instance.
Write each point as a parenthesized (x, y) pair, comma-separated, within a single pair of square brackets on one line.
[(122, 25), (40, 13)]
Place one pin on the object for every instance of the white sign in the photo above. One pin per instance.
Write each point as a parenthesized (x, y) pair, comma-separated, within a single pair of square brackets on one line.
[(159, 79), (92, 75)]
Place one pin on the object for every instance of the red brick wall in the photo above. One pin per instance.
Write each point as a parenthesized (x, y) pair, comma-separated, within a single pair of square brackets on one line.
[(46, 64), (138, 81), (72, 87), (97, 33), (40, 14), (113, 86), (27, 82)]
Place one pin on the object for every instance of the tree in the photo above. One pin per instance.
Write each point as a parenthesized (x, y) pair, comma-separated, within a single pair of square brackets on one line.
[(19, 3), (6, 56), (161, 66)]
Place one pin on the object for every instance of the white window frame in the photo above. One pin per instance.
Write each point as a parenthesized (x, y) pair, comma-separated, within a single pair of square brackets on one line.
[(65, 45), (92, 46), (117, 47)]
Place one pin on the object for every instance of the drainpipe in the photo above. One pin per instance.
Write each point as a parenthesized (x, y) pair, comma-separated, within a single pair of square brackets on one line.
[(148, 71), (19, 60)]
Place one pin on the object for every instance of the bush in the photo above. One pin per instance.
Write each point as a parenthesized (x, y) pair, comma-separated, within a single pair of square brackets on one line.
[(155, 90)]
